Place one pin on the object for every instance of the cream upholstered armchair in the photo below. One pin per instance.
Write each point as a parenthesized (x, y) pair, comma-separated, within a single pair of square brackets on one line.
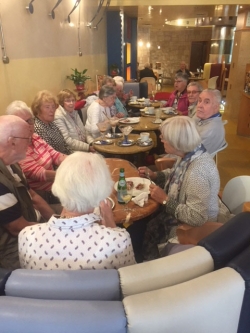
[(151, 83)]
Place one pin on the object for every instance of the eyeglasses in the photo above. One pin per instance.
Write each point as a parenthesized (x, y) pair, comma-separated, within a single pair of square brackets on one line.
[(20, 137), (69, 101), (192, 92), (30, 121)]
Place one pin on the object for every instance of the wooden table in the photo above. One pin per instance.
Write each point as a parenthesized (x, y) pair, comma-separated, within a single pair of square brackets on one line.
[(117, 150), (146, 124), (136, 211), (152, 117), (141, 105)]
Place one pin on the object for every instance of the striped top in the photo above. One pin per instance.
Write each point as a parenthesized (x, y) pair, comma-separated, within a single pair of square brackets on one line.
[(39, 157)]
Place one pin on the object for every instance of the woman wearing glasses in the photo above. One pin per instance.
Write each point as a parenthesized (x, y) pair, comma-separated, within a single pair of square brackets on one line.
[(193, 91), (41, 159), (179, 99)]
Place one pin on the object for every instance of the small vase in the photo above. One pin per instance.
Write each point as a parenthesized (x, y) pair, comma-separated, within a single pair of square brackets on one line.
[(80, 87)]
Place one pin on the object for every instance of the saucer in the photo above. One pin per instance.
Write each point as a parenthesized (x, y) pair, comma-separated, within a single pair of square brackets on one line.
[(126, 144), (159, 121), (103, 142), (144, 143)]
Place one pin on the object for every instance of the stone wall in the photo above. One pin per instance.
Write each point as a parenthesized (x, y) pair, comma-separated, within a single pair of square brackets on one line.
[(175, 45)]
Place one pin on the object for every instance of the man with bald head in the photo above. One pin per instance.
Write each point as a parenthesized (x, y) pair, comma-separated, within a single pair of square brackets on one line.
[(208, 120), (147, 72), (19, 205)]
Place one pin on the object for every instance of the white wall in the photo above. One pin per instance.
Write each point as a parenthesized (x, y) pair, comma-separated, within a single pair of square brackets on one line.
[(42, 50)]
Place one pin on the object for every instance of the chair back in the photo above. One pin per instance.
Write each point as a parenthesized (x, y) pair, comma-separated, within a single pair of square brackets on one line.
[(151, 83), (164, 163), (212, 82), (236, 192), (215, 154), (162, 95)]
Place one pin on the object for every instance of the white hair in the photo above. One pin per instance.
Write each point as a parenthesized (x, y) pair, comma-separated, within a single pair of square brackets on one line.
[(119, 84), (18, 108), (181, 133), (82, 181), (216, 95), (119, 78)]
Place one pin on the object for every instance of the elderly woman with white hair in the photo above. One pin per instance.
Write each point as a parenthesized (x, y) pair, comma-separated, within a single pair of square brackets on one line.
[(79, 238), (188, 193), (41, 159)]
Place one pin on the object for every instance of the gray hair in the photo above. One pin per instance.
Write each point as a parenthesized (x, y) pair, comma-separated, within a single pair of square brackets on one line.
[(195, 84), (82, 181), (18, 108), (182, 76), (108, 79), (106, 91), (119, 84), (216, 95), (119, 78), (181, 133), (147, 65)]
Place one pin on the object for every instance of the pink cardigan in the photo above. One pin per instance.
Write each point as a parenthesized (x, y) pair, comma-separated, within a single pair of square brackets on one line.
[(182, 105)]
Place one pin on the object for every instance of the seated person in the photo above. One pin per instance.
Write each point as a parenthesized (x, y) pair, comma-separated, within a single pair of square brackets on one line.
[(38, 165), (178, 98), (19, 205), (117, 109), (147, 72), (209, 121), (188, 193), (183, 69), (80, 238), (69, 122), (193, 91), (44, 107), (99, 111)]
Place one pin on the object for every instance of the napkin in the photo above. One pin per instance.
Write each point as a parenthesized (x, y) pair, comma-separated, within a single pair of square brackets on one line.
[(141, 199)]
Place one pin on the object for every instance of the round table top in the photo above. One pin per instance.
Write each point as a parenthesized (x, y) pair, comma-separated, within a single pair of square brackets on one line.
[(152, 117), (136, 211), (146, 124), (140, 105), (115, 149)]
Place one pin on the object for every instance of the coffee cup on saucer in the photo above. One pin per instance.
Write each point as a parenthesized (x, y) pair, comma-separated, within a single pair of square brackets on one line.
[(144, 136), (151, 110), (133, 98)]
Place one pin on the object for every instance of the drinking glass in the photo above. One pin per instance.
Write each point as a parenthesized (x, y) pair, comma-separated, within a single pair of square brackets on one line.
[(126, 198), (153, 95), (103, 127), (158, 113), (113, 122), (125, 130)]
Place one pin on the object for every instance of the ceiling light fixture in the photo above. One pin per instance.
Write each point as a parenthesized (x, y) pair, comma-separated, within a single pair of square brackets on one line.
[(52, 13), (30, 7), (75, 6)]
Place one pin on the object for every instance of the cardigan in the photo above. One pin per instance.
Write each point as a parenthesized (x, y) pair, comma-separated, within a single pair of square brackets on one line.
[(68, 127)]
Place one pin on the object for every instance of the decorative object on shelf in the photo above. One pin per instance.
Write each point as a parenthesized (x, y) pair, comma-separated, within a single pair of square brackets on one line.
[(52, 13), (114, 70), (5, 58), (79, 78), (75, 6), (30, 7)]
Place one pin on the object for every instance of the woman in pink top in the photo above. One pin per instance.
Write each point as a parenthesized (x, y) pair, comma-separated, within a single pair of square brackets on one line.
[(41, 158), (179, 99)]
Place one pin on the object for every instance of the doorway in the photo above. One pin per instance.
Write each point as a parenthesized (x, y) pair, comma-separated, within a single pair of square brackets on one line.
[(199, 55)]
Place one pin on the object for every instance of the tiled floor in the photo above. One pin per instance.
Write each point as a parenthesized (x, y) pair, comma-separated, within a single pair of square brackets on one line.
[(235, 159)]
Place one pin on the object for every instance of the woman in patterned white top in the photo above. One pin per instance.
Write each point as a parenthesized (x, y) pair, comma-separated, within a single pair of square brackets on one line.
[(188, 193), (78, 239), (44, 107)]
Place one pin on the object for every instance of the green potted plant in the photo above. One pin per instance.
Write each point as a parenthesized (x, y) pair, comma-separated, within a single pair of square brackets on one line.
[(79, 78), (114, 70)]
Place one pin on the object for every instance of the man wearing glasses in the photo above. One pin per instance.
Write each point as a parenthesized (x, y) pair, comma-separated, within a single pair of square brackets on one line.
[(19, 205), (193, 91)]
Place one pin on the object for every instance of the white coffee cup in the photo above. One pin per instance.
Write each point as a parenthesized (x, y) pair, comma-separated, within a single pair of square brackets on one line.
[(144, 136), (151, 110), (133, 98)]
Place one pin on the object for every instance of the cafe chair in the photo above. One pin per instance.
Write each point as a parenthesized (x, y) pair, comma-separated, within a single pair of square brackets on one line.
[(236, 193), (164, 163), (151, 83), (212, 82), (162, 96), (166, 78)]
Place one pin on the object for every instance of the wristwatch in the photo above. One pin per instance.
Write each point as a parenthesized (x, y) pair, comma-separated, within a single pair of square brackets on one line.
[(165, 201)]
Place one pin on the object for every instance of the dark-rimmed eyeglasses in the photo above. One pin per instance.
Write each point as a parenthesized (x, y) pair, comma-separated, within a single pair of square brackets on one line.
[(21, 137), (193, 92)]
